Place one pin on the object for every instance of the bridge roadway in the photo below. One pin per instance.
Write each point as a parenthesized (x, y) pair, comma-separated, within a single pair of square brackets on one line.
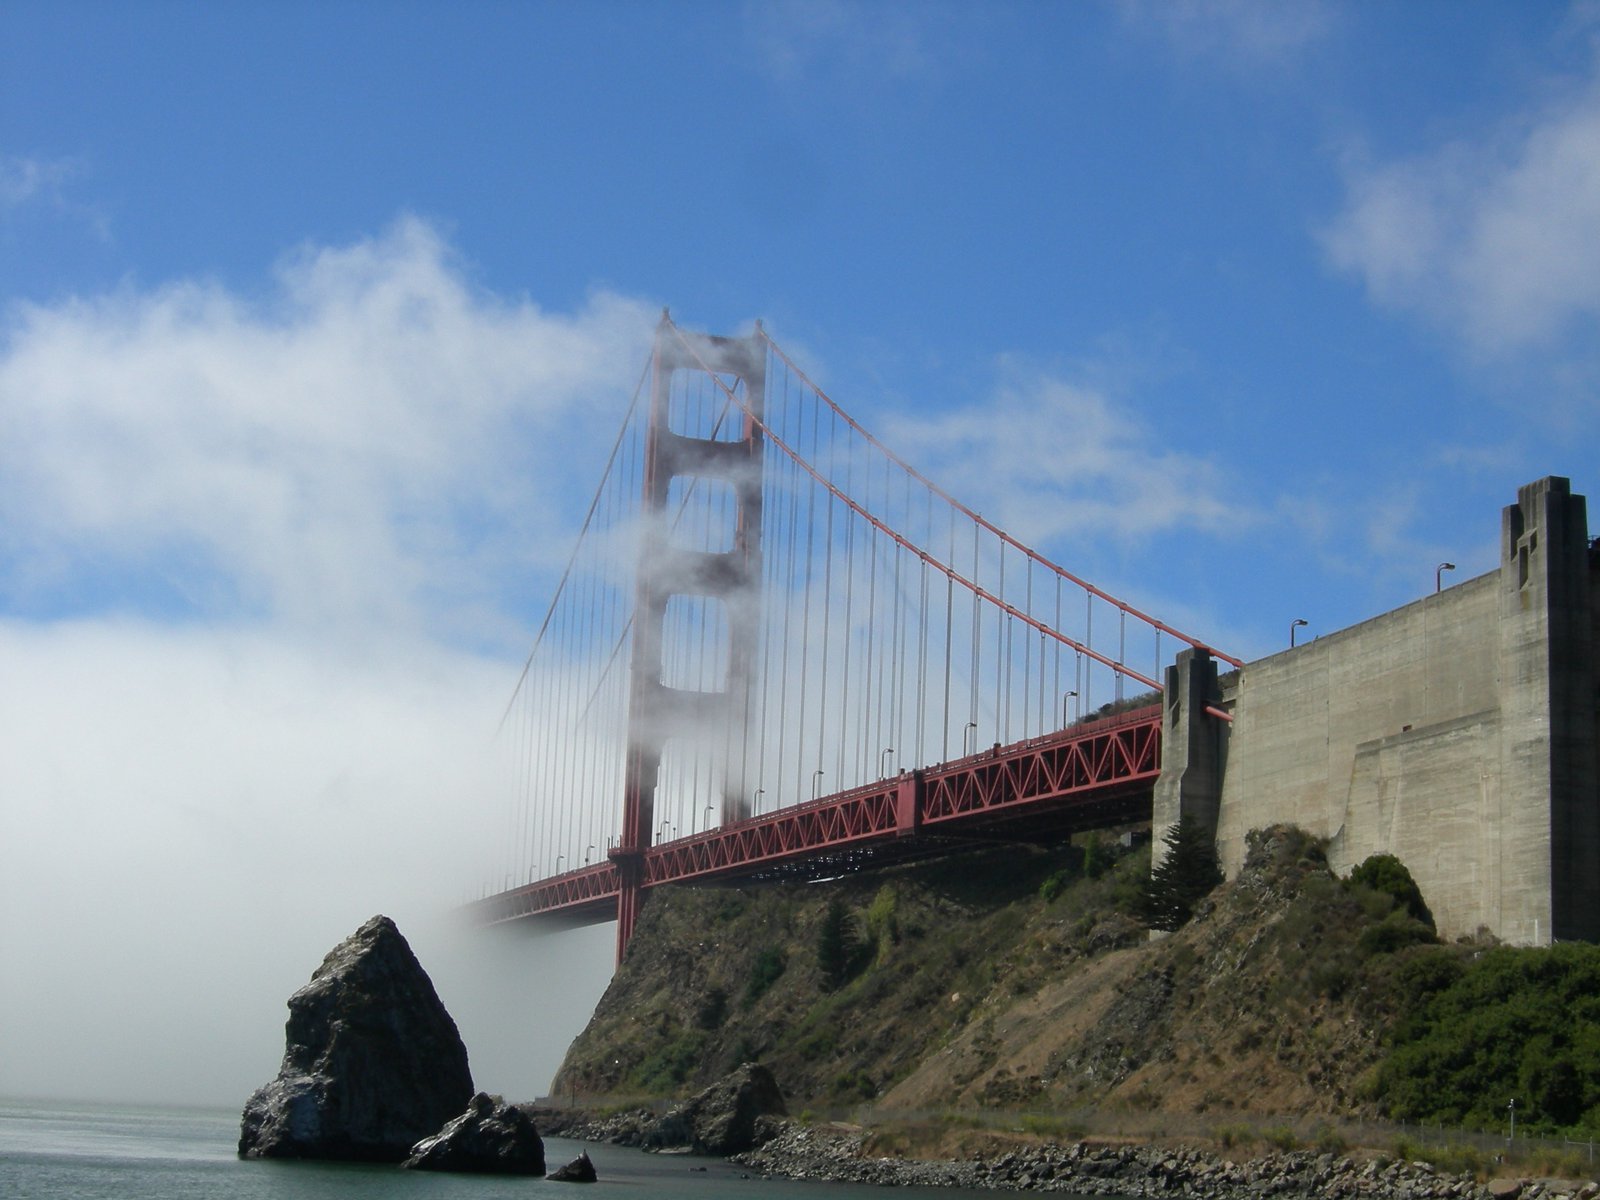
[(1095, 773)]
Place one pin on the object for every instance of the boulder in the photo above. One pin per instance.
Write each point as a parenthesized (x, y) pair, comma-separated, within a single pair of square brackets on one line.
[(579, 1170), (372, 1063), (724, 1118), (490, 1138)]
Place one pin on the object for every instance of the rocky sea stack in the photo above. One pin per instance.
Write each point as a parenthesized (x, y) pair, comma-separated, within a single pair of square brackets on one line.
[(373, 1062), (490, 1138), (725, 1118)]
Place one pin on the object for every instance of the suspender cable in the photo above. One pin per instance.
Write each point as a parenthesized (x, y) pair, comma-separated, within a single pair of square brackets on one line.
[(992, 528)]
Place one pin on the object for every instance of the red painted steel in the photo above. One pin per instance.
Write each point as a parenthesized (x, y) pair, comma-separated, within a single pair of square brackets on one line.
[(1070, 776), (657, 712), (588, 888)]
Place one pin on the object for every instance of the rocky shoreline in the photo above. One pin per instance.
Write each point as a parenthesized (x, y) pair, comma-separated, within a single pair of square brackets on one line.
[(835, 1154)]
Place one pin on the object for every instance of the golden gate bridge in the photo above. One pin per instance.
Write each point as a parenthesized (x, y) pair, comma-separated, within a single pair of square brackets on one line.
[(778, 649)]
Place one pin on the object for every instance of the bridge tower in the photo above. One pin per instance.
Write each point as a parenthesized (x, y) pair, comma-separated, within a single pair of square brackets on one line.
[(725, 451)]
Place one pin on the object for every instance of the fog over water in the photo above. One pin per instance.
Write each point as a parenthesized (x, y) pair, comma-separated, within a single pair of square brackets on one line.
[(270, 568)]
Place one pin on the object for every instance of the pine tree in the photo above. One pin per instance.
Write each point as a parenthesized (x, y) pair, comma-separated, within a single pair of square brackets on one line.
[(836, 945), (1188, 871)]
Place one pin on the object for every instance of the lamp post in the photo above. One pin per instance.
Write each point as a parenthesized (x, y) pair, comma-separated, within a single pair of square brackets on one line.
[(883, 762), (1438, 575), (1297, 623), (1073, 695), (1512, 1107), (755, 800), (816, 783), (973, 727), (588, 854)]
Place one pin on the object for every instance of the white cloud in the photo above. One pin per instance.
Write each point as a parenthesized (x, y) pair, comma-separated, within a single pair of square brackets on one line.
[(192, 819), (33, 183), (375, 444), (1496, 240), (1249, 33), (250, 549), (796, 38), (1044, 458), (23, 180)]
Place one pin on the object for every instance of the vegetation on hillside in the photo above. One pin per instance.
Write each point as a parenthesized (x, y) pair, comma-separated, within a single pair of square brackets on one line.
[(1186, 874), (843, 988), (1022, 978), (1478, 1030)]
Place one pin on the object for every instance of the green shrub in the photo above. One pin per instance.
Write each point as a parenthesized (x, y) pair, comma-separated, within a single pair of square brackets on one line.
[(665, 1070), (1512, 1022), (1098, 858), (1229, 1136), (1281, 1137), (713, 1009), (1329, 1140), (838, 946), (770, 965), (1387, 875), (1395, 932), (1459, 1160), (881, 921), (1054, 885), (1060, 1129)]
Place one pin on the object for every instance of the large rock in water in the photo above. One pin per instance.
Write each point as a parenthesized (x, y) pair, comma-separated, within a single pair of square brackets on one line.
[(373, 1062), (579, 1170), (722, 1120), (491, 1137)]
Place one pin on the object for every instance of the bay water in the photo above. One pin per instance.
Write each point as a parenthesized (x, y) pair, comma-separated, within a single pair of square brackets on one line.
[(60, 1151)]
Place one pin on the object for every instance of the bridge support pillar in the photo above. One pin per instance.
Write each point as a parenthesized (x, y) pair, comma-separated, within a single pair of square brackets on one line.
[(1193, 750), (630, 872), (722, 584)]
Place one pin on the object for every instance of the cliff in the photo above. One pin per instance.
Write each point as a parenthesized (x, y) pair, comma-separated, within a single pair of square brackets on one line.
[(1012, 979)]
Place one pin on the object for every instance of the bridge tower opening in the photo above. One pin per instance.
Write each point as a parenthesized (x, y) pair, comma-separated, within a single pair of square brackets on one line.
[(692, 448)]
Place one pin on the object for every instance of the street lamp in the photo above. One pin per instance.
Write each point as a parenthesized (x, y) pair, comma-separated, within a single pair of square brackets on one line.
[(816, 783), (1293, 625), (587, 854), (1069, 696), (755, 800), (883, 762), (973, 726), (1438, 575), (1513, 1108)]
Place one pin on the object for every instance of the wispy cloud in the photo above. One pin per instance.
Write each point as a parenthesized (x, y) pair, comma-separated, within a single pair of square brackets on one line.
[(797, 38), (23, 180), (252, 550), (1246, 33), (1045, 458), (31, 183), (1494, 240), (374, 444)]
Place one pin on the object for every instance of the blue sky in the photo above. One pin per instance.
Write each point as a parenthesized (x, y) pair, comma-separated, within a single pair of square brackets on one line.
[(315, 319)]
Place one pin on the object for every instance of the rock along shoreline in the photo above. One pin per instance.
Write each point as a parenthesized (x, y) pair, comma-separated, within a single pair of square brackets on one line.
[(834, 1154)]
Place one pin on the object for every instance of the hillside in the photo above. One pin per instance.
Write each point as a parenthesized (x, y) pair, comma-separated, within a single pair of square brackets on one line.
[(1013, 978)]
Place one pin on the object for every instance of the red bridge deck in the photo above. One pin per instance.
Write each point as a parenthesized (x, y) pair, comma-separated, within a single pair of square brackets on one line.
[(1094, 774)]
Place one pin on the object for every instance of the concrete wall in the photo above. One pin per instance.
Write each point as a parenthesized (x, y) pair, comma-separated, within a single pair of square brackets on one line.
[(1457, 733)]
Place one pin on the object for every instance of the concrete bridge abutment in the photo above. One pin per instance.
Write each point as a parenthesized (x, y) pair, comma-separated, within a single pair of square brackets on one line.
[(1193, 750), (1457, 733)]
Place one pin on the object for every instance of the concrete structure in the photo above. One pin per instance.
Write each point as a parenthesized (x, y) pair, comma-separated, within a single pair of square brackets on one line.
[(1458, 733)]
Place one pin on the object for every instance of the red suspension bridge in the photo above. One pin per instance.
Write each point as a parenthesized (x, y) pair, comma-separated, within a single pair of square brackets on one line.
[(779, 649)]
